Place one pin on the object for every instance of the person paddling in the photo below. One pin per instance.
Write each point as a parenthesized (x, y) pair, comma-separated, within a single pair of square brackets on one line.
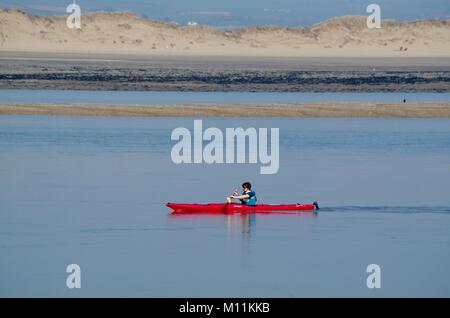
[(248, 196)]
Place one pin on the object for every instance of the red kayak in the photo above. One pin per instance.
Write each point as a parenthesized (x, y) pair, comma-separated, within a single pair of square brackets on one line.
[(236, 208)]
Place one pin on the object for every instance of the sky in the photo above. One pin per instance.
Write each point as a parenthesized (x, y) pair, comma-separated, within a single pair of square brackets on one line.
[(238, 13)]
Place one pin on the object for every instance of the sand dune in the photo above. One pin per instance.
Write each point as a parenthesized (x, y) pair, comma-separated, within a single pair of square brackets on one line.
[(128, 33)]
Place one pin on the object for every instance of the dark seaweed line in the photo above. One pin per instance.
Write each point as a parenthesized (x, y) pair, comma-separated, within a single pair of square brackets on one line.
[(374, 80)]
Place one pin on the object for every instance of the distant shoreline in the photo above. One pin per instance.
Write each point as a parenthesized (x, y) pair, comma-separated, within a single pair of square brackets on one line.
[(316, 110)]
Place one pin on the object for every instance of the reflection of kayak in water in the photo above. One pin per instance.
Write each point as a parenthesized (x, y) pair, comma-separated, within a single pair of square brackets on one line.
[(237, 208)]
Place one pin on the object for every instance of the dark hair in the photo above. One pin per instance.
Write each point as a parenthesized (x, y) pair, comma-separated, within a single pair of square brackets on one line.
[(247, 185)]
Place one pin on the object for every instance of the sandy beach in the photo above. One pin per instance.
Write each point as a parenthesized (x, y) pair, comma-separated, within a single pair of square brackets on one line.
[(338, 110), (126, 52)]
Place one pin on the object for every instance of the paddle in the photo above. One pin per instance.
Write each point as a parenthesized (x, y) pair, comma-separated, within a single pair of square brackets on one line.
[(229, 198)]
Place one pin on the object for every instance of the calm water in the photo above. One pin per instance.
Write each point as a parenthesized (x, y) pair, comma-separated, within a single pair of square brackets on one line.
[(91, 191), (170, 98)]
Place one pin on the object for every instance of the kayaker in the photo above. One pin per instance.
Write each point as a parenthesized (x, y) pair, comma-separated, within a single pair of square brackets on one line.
[(248, 196)]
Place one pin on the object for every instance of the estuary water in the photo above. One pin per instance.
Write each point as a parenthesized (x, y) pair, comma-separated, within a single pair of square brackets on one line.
[(92, 191)]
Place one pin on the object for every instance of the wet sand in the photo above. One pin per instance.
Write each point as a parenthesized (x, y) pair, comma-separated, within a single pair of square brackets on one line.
[(342, 110), (158, 73), (266, 62)]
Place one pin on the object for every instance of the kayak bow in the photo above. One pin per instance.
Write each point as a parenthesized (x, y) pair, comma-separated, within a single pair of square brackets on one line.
[(236, 208)]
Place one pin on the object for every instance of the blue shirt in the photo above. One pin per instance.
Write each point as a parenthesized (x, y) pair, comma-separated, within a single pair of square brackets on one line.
[(251, 200)]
